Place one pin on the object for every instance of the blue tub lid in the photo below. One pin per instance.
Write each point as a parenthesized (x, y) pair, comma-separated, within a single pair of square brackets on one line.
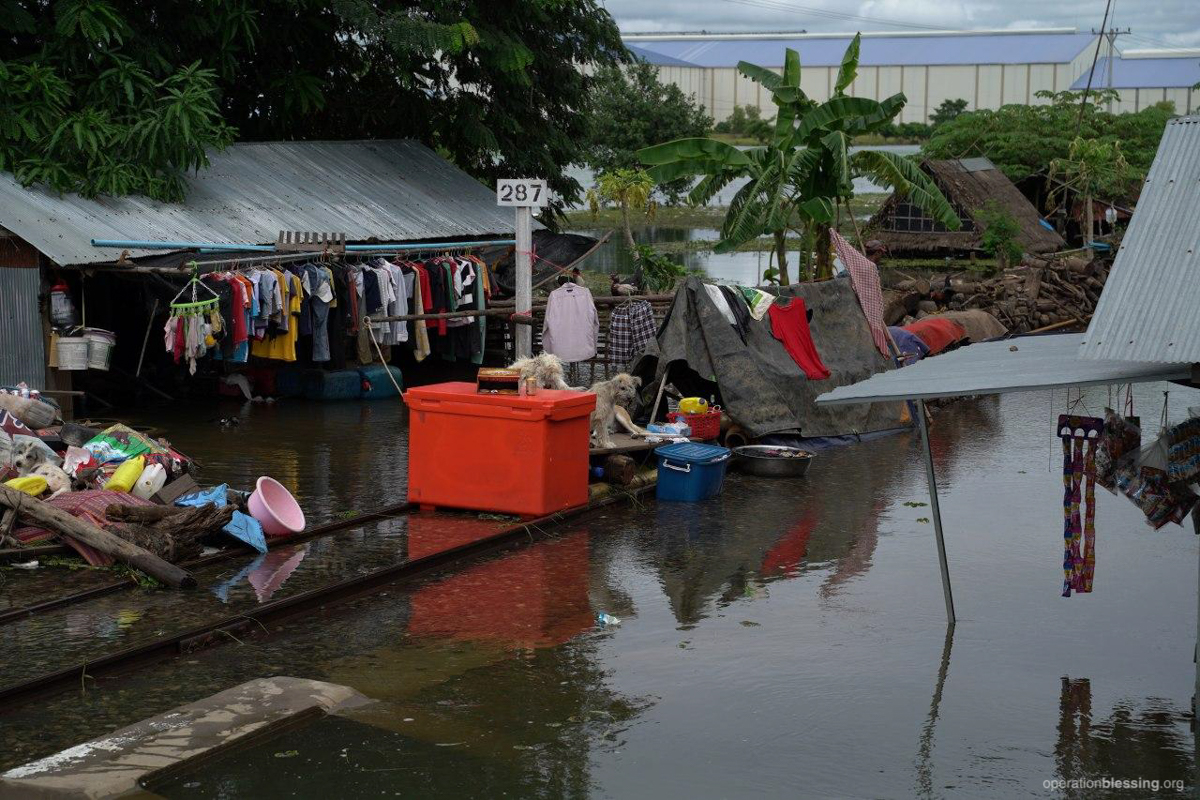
[(692, 452)]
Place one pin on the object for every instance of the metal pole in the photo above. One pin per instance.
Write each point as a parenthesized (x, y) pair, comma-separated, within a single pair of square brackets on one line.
[(937, 512), (524, 299)]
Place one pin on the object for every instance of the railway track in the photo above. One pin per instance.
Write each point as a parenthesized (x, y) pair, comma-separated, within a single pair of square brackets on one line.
[(253, 623), (16, 614)]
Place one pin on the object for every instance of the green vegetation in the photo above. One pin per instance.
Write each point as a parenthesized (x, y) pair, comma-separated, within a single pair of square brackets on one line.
[(123, 96), (628, 190), (801, 178), (659, 271), (1089, 168), (1026, 141), (633, 109), (948, 111), (746, 123), (1000, 232)]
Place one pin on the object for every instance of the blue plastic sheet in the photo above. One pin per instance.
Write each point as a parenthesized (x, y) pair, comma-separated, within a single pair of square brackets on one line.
[(242, 527)]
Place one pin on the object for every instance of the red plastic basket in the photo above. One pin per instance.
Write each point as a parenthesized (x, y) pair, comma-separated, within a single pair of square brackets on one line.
[(704, 426)]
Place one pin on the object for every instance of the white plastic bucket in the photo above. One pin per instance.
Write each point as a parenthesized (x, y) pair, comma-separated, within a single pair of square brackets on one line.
[(72, 352), (100, 345)]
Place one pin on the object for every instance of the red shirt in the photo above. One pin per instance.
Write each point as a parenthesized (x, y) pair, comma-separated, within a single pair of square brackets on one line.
[(789, 324)]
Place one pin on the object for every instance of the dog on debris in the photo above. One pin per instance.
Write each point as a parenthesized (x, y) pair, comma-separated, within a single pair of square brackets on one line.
[(28, 453), (546, 368), (613, 399), (57, 481)]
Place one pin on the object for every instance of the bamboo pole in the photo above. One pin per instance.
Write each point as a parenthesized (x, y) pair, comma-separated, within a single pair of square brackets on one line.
[(64, 524)]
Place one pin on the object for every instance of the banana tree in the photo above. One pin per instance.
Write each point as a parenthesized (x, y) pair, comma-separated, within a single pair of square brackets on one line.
[(798, 179)]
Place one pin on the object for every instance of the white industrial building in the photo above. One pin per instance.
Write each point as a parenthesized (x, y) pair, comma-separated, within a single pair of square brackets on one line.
[(986, 68)]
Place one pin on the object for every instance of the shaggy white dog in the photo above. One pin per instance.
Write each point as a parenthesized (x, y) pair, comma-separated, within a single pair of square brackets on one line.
[(613, 397), (547, 368)]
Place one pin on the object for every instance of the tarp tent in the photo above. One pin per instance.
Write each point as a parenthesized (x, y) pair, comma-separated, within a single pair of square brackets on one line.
[(757, 383)]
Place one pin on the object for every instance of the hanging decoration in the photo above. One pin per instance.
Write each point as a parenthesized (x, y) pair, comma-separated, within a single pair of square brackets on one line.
[(1079, 437), (187, 321)]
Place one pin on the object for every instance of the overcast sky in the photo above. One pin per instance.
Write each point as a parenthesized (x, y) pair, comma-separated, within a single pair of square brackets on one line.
[(1154, 23)]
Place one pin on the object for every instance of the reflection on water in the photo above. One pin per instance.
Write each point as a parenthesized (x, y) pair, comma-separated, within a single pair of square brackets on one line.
[(787, 639)]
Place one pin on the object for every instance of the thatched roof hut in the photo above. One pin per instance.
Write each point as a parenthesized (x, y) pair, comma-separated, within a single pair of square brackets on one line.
[(969, 184)]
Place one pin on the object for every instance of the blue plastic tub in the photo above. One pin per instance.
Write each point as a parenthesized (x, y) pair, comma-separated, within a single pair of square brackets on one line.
[(342, 384), (689, 471)]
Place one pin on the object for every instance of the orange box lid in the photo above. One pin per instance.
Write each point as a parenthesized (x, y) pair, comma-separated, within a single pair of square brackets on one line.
[(463, 392)]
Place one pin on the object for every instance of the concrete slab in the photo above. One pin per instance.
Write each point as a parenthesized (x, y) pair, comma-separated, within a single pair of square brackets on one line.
[(113, 765)]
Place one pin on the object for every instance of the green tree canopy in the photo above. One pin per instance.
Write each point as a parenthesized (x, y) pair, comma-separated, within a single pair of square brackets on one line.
[(806, 171), (123, 96), (1023, 141), (634, 109)]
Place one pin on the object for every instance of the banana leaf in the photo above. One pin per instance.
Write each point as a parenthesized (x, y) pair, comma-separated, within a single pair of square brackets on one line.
[(907, 178), (768, 79), (849, 69), (693, 149), (836, 110)]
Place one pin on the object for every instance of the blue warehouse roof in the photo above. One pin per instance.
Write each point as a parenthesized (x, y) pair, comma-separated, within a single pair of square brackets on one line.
[(826, 51), (1145, 73)]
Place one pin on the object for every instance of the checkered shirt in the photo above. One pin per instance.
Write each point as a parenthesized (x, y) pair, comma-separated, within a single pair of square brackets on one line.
[(630, 328)]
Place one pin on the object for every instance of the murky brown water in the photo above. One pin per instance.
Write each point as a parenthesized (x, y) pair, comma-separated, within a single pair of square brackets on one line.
[(785, 640)]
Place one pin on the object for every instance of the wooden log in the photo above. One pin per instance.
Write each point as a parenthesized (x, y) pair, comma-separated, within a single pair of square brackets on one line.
[(620, 469), (64, 524)]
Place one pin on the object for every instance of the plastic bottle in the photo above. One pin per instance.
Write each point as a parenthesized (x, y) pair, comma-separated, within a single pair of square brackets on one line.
[(126, 475), (153, 478)]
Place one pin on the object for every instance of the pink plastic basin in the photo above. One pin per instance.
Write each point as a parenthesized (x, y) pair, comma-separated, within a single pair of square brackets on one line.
[(275, 508)]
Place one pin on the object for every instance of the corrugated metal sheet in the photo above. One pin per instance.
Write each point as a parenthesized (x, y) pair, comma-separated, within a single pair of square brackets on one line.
[(1038, 362), (1144, 73), (22, 350), (658, 59), (827, 51), (386, 190), (1150, 307)]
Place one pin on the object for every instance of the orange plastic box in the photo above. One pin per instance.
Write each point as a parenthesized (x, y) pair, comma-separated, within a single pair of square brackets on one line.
[(495, 452)]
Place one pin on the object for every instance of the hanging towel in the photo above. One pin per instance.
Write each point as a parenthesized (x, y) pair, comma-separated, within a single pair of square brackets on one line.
[(789, 324), (864, 277), (758, 301)]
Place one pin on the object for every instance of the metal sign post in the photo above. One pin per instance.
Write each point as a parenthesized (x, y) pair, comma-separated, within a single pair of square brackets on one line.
[(524, 195)]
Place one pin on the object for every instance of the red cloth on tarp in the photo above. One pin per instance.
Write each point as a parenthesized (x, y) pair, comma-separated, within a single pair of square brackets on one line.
[(937, 333), (789, 324), (89, 505)]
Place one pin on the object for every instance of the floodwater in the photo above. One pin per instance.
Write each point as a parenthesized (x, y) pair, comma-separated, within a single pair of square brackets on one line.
[(787, 639)]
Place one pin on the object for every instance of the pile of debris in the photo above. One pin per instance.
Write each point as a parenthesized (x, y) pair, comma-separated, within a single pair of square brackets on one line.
[(1040, 293)]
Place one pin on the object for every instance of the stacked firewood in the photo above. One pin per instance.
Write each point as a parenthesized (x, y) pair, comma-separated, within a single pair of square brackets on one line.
[(1040, 293)]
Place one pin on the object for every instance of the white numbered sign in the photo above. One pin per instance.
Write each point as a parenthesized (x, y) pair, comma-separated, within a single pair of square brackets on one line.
[(528, 192)]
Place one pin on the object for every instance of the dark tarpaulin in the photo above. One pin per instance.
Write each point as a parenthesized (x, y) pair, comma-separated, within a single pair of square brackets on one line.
[(552, 249), (757, 382)]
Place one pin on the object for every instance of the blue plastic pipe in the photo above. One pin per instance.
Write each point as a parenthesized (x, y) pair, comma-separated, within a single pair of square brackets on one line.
[(136, 244)]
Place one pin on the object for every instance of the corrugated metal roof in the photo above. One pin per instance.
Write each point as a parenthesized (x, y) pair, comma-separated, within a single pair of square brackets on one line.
[(23, 356), (1150, 307), (1038, 362), (390, 190), (658, 59), (827, 51), (1144, 73)]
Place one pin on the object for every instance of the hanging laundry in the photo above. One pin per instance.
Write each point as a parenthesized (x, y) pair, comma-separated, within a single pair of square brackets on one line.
[(721, 302), (864, 277), (789, 324), (571, 324), (758, 301), (630, 329)]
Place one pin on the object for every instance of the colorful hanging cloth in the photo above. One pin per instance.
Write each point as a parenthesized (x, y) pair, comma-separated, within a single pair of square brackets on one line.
[(1079, 437)]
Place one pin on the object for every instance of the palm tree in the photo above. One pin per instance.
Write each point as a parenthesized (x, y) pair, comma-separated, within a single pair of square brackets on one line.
[(797, 180)]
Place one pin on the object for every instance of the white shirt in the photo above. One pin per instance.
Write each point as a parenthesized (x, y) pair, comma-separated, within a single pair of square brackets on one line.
[(571, 324)]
